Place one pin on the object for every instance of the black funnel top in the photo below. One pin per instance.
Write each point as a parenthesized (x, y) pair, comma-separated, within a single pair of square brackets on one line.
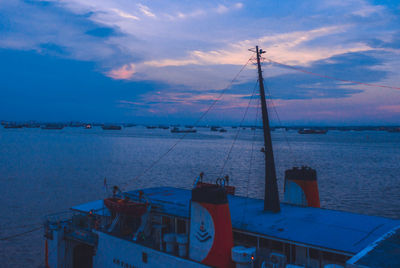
[(210, 194), (304, 173)]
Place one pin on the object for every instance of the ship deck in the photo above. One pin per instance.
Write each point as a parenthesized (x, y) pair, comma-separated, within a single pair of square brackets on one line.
[(344, 232), (383, 253)]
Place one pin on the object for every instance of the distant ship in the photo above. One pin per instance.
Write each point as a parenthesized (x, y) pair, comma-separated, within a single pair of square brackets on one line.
[(88, 126), (32, 125), (111, 127), (312, 131), (129, 125), (151, 127), (13, 126), (76, 124), (209, 226), (394, 130), (52, 126), (178, 130)]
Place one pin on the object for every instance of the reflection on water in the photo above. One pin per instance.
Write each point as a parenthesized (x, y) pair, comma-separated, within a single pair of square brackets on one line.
[(45, 171)]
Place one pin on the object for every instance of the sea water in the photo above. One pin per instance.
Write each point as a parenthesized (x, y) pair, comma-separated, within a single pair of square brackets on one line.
[(48, 171)]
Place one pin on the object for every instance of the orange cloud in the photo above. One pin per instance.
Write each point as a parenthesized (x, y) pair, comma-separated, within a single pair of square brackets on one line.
[(287, 47), (125, 72), (391, 108)]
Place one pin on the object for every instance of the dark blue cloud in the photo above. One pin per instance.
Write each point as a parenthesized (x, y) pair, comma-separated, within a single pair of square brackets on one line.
[(102, 32), (393, 5), (51, 28), (42, 3), (349, 66), (393, 43), (298, 85), (45, 87), (53, 49)]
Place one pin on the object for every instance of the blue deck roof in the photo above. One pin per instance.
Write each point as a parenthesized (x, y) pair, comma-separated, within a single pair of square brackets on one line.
[(383, 253), (322, 228)]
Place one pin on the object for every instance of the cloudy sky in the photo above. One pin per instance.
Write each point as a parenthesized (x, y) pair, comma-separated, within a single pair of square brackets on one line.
[(167, 61)]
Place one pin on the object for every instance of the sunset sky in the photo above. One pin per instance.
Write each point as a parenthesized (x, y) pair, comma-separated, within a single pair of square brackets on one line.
[(167, 61)]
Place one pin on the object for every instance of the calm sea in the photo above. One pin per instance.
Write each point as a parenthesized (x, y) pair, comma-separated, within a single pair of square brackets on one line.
[(47, 171)]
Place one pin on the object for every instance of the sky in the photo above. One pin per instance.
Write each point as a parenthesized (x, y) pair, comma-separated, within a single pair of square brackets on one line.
[(168, 61)]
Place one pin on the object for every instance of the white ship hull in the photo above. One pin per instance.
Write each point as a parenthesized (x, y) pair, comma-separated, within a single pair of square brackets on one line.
[(110, 252)]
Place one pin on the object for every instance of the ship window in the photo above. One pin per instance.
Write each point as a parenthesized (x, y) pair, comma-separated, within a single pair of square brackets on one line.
[(335, 258), (286, 250), (292, 253), (181, 226), (244, 239), (276, 246), (264, 243), (168, 223), (314, 254), (144, 257)]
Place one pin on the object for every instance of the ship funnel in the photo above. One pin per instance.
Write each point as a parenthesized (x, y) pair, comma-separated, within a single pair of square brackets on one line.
[(301, 187), (211, 238)]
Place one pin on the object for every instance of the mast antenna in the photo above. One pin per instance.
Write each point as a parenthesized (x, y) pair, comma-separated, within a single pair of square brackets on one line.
[(271, 197)]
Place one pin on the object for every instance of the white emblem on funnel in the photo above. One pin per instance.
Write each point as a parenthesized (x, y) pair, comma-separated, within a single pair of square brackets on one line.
[(201, 232)]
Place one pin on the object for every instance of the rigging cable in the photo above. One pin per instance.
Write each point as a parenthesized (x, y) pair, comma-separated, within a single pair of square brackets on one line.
[(280, 123), (251, 163), (330, 77), (21, 226), (238, 131), (28, 225), (37, 225), (195, 124), (19, 234)]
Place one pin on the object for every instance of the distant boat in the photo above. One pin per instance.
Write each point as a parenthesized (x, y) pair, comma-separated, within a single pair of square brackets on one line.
[(223, 130), (394, 130), (88, 126), (177, 130), (151, 127), (214, 128), (111, 127), (32, 125), (312, 131), (52, 126), (13, 126), (76, 124)]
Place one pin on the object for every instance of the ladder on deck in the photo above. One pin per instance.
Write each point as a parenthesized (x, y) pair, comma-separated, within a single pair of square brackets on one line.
[(143, 223), (114, 223)]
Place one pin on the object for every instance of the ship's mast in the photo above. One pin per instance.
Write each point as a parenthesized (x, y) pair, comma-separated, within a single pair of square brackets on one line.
[(271, 198)]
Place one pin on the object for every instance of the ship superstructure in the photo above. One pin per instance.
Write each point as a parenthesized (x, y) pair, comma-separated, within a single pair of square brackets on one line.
[(297, 235)]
